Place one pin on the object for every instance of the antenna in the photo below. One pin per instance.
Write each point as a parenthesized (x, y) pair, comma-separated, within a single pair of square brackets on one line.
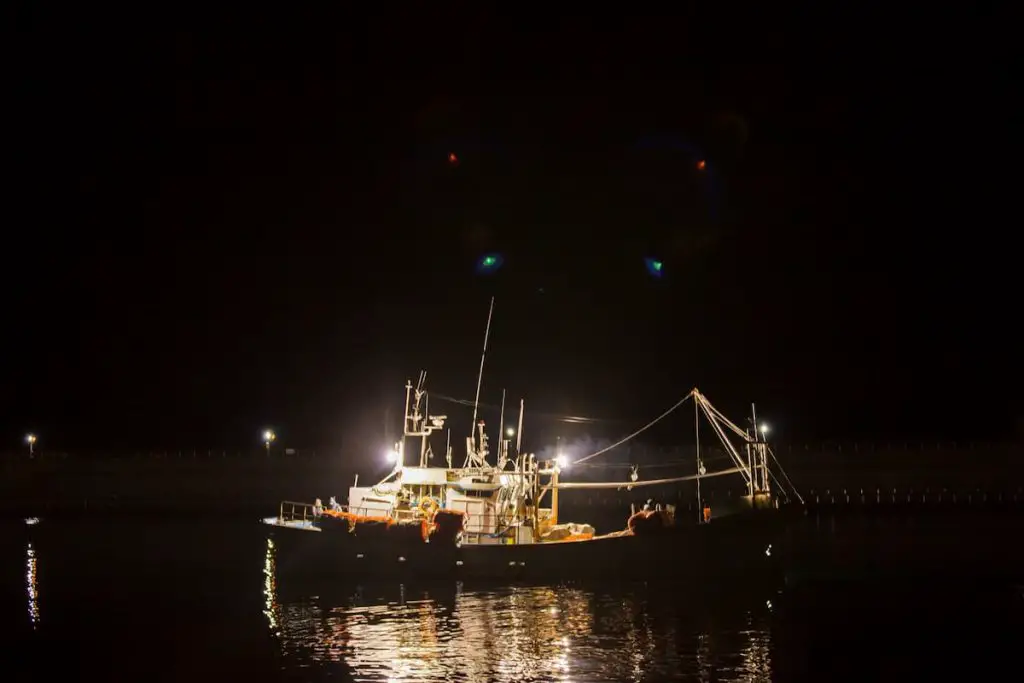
[(501, 428), (519, 431), (483, 355)]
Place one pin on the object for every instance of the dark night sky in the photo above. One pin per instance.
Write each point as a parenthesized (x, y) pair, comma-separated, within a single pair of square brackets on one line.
[(220, 223)]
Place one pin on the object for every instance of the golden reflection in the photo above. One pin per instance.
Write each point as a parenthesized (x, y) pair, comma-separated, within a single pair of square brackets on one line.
[(32, 586), (755, 655), (745, 658), (524, 632), (636, 640), (515, 633), (271, 609)]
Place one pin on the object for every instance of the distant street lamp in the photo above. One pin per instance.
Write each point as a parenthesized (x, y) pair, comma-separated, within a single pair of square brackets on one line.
[(510, 432), (31, 441), (268, 438), (764, 429)]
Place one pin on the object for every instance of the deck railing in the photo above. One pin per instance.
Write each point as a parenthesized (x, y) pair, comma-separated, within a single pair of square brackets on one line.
[(476, 522), (294, 511)]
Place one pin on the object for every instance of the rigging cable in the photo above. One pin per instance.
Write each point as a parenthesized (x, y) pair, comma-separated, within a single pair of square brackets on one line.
[(656, 465), (785, 476), (568, 419), (628, 485), (637, 432)]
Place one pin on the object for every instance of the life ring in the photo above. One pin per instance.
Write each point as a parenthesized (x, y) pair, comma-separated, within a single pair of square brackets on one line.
[(429, 507)]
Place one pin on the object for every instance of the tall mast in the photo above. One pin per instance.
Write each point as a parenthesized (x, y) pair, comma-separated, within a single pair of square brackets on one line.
[(483, 355)]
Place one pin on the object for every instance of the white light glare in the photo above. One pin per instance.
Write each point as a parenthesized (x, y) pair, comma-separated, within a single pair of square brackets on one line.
[(764, 428), (562, 462)]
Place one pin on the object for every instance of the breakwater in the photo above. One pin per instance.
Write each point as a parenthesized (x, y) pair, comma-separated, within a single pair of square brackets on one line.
[(878, 477)]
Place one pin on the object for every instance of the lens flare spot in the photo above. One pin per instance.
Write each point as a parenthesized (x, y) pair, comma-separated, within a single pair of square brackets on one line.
[(655, 267), (489, 263)]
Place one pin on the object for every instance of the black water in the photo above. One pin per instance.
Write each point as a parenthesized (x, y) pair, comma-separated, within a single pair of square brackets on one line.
[(201, 600)]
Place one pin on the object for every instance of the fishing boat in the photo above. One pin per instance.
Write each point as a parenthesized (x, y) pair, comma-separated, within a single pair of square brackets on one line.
[(500, 519)]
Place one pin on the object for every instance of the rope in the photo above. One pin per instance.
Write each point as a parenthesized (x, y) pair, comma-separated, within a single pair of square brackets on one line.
[(637, 432), (568, 419), (786, 476), (638, 484), (706, 459), (728, 423)]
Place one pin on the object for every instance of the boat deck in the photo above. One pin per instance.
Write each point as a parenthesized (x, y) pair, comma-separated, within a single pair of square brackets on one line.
[(301, 524)]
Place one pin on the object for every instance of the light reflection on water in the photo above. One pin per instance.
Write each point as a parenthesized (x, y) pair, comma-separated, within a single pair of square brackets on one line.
[(518, 633), (32, 585)]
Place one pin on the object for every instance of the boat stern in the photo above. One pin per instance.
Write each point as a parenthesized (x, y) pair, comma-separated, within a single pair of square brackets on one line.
[(299, 524)]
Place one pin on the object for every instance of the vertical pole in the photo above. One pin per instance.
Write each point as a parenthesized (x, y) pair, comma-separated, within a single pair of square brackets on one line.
[(519, 430), (480, 435), (554, 495), (752, 469), (755, 483), (535, 478), (448, 449), (502, 442), (696, 432), (405, 418), (483, 355), (764, 467)]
